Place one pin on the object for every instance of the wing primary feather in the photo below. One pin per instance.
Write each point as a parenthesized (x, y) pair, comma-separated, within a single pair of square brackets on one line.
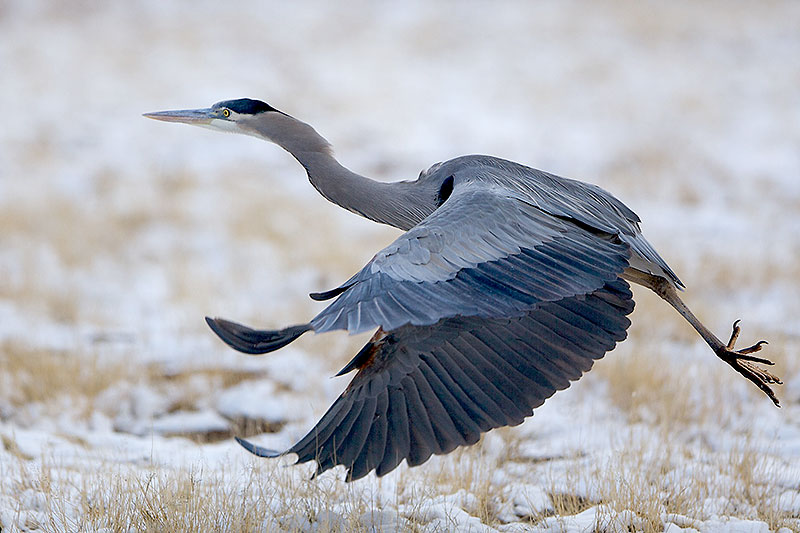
[(258, 450), (545, 285), (354, 317), (488, 282), (397, 433), (326, 452), (554, 260), (539, 384), (416, 303), (327, 295), (444, 429), (307, 448), (474, 384), (561, 335), (454, 401), (618, 294), (502, 371), (565, 284), (422, 441), (466, 281), (530, 382), (350, 446), (451, 294), (591, 258), (558, 364), (379, 432), (253, 341), (603, 323), (513, 278), (372, 451), (557, 327), (494, 380), (406, 312), (552, 359)]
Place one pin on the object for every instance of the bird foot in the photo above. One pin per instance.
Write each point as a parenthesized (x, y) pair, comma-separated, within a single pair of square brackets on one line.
[(745, 364)]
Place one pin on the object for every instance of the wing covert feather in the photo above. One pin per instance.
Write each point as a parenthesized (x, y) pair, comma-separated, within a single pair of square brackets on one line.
[(485, 254)]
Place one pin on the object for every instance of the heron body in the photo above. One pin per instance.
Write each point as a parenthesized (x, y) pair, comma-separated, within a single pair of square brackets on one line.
[(508, 283)]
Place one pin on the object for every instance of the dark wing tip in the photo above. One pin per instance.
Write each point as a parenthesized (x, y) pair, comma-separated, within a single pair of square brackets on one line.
[(327, 295), (254, 341), (258, 450)]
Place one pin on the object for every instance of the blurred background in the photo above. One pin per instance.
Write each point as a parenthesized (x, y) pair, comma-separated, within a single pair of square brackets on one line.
[(119, 234), (688, 112)]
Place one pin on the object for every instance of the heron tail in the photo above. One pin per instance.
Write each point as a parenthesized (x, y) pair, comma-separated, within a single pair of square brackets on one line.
[(254, 341)]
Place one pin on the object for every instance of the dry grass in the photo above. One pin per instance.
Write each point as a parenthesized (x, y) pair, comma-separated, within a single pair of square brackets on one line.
[(10, 445), (649, 389), (56, 383), (263, 496), (567, 504), (667, 481), (650, 479), (53, 379), (649, 378), (470, 470), (122, 498)]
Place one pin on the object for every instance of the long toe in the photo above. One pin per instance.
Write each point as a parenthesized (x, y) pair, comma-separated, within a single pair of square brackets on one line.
[(752, 349), (745, 364)]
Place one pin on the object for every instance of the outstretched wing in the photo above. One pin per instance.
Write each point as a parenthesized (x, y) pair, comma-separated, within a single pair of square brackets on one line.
[(485, 253), (423, 390), (483, 310)]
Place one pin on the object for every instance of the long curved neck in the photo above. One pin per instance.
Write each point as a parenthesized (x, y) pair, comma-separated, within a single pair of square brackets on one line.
[(401, 204)]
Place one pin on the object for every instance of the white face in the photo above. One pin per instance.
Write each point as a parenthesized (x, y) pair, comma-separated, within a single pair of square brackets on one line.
[(219, 124)]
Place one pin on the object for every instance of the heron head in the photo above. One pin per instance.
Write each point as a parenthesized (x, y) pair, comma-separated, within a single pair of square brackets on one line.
[(252, 117), (228, 115)]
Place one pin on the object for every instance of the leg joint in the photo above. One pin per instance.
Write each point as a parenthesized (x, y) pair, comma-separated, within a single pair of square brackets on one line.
[(662, 287)]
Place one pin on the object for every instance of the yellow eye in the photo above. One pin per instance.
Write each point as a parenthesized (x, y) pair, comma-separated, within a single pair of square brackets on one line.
[(226, 113)]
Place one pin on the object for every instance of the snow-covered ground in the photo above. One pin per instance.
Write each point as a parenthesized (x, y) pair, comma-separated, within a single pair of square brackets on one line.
[(118, 234)]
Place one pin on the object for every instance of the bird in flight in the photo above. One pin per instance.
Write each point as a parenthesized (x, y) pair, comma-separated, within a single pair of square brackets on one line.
[(508, 283)]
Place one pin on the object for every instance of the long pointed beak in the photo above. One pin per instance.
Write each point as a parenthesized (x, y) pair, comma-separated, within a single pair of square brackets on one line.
[(198, 117)]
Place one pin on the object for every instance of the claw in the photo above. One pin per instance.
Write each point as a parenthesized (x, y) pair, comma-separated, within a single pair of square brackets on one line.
[(744, 363), (735, 334), (760, 378)]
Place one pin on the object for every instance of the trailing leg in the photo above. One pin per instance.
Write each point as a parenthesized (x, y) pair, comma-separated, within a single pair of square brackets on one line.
[(740, 360)]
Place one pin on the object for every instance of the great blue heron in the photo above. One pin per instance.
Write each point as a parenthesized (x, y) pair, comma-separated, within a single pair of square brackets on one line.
[(506, 285)]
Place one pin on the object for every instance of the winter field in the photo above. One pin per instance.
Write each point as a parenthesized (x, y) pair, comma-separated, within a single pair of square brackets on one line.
[(118, 406)]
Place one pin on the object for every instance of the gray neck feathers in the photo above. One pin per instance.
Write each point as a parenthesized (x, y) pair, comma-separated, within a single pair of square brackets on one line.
[(401, 204)]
